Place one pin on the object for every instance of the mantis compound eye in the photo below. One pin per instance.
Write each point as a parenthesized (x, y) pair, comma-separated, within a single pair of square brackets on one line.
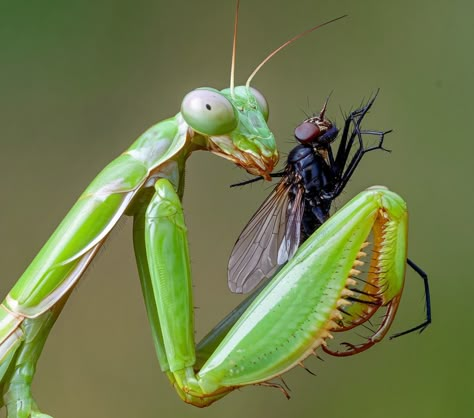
[(262, 102), (208, 112), (307, 132)]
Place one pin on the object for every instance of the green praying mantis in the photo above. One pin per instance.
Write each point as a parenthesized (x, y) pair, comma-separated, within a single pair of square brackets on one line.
[(253, 344)]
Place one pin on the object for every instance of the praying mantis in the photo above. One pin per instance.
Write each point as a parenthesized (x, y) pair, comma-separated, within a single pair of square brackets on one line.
[(146, 182)]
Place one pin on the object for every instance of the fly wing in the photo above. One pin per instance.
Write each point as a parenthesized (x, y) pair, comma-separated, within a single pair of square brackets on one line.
[(291, 240), (267, 241)]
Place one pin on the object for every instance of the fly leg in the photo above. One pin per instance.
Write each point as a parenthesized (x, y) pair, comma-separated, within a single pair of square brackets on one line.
[(421, 327), (340, 167), (272, 175)]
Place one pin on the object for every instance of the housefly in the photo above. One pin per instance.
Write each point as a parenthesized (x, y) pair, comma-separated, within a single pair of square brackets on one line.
[(314, 176)]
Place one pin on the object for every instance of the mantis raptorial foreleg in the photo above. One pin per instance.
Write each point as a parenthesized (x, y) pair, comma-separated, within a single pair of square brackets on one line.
[(210, 120), (291, 317)]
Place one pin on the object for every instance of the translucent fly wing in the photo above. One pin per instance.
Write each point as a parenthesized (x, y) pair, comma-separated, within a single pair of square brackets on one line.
[(264, 244), (291, 240), (255, 252)]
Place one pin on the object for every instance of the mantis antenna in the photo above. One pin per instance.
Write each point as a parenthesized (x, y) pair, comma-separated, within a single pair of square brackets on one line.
[(234, 47), (300, 35)]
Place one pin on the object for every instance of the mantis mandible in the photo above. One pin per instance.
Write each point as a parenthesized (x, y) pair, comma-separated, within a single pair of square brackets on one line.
[(147, 183)]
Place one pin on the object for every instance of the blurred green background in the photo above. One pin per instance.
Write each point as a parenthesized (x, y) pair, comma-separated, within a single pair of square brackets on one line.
[(80, 80)]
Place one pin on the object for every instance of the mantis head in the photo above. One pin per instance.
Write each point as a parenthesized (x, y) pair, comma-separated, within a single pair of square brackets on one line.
[(234, 126), (233, 122)]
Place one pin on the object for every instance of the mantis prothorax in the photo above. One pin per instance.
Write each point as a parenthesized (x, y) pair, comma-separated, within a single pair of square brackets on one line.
[(146, 182)]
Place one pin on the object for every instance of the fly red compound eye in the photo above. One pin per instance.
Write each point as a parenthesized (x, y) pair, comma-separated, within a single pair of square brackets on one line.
[(307, 132)]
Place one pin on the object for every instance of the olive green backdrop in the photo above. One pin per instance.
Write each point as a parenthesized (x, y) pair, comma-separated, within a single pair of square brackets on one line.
[(79, 81)]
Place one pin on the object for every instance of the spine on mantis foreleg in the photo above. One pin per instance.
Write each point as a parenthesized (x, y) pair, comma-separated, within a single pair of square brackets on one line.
[(297, 311)]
